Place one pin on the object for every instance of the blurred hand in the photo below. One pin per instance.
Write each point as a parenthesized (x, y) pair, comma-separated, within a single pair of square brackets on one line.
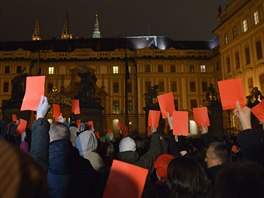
[(204, 129), (43, 107), (61, 119), (243, 114), (170, 120)]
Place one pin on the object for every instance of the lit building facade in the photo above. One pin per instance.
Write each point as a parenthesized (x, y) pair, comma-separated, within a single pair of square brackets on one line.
[(241, 33), (186, 68)]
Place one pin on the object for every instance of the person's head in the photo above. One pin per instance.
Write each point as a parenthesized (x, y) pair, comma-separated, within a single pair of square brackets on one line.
[(240, 179), (86, 142), (127, 144), (161, 165), (217, 153), (59, 131), (187, 178)]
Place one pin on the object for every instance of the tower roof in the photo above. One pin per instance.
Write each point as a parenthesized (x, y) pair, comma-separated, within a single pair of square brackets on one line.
[(36, 35), (66, 29), (96, 32)]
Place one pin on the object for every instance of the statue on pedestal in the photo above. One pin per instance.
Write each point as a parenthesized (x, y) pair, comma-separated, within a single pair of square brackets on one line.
[(86, 93), (18, 87)]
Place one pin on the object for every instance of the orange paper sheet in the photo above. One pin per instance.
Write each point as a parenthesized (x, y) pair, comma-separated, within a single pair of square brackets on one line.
[(125, 180), (230, 92), (180, 123), (56, 110), (97, 134), (90, 123), (153, 118), (14, 117), (166, 103), (258, 111), (200, 115), (34, 90), (76, 107), (21, 127), (78, 122)]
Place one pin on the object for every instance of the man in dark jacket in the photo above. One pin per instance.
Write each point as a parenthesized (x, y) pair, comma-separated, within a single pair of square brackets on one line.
[(69, 174)]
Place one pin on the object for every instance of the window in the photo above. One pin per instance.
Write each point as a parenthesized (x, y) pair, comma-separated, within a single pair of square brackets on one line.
[(202, 68), (174, 86), (172, 68), (204, 87), (130, 106), (226, 38), (250, 83), (51, 70), (147, 85), (261, 82), (6, 87), (116, 107), (217, 66), (50, 87), (160, 68), (161, 86), (191, 68), (256, 17), (259, 50), (115, 70), (18, 69), (147, 68), (244, 25), (237, 60), (228, 65), (176, 104), (129, 87), (192, 86), (247, 55), (235, 33), (193, 103), (115, 87), (7, 69)]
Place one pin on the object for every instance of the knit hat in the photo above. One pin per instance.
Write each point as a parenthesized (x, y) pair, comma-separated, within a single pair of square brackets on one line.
[(127, 144), (161, 165), (86, 142)]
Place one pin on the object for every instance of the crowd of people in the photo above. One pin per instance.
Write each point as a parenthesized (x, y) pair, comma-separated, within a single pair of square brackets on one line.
[(62, 160)]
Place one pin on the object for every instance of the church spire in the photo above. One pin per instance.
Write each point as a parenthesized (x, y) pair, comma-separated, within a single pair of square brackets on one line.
[(36, 35), (66, 29), (96, 32)]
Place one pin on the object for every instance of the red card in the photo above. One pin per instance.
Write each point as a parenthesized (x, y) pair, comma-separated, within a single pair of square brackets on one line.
[(258, 110), (109, 131), (90, 123), (200, 115), (75, 107), (166, 103), (56, 110), (234, 149), (21, 127), (231, 91), (97, 134), (78, 122), (153, 118), (119, 126), (125, 180), (180, 123), (14, 117), (34, 91)]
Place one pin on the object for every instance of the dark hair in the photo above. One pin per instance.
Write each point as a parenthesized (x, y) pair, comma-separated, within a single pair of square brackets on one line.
[(240, 179), (221, 151), (188, 178)]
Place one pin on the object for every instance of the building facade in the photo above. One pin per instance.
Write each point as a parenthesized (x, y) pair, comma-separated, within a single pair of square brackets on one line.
[(186, 68)]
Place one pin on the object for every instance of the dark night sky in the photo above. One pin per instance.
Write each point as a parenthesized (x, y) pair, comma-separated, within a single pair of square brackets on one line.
[(178, 19)]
